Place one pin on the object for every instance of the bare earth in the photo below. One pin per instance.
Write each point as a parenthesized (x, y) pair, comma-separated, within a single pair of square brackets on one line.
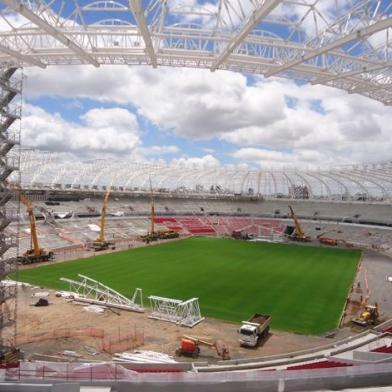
[(158, 335)]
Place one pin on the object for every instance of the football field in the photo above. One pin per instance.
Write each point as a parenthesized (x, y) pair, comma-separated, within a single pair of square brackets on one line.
[(304, 288)]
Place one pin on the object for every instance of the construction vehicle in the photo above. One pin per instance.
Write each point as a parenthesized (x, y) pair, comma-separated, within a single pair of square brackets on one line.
[(153, 235), (368, 317), (254, 330), (298, 233), (100, 243), (328, 241), (35, 254), (239, 235), (190, 347), (333, 241)]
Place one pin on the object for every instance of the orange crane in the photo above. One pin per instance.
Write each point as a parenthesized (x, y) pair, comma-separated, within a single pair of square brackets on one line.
[(35, 254), (298, 234), (100, 243)]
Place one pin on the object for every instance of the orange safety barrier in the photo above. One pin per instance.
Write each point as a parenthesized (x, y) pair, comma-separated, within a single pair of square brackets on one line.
[(122, 342), (60, 333)]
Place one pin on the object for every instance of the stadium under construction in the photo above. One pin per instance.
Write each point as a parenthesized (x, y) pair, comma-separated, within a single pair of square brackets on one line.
[(153, 275)]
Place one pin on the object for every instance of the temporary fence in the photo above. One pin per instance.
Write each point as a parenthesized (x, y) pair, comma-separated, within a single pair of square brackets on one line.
[(121, 341), (110, 342), (60, 333)]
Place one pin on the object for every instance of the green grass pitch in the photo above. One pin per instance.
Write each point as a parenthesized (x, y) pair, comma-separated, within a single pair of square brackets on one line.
[(303, 288)]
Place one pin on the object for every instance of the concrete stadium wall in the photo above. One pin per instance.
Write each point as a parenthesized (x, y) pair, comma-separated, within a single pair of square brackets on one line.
[(281, 381)]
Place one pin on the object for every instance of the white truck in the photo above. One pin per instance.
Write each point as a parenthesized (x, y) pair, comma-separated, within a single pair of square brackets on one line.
[(254, 330)]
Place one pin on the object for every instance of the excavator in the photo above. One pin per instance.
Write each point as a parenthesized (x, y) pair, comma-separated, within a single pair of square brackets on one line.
[(298, 234), (190, 346), (153, 235), (35, 254), (100, 243), (369, 316)]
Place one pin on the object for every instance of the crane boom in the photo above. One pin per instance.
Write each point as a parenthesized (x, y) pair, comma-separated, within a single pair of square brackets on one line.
[(35, 254), (298, 233), (152, 224), (101, 237), (37, 251), (298, 229)]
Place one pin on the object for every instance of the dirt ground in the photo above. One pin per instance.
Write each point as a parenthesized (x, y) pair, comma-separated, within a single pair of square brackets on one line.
[(158, 335)]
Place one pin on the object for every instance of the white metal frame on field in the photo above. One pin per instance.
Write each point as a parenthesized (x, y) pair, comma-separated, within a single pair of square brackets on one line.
[(186, 313), (346, 44), (91, 291)]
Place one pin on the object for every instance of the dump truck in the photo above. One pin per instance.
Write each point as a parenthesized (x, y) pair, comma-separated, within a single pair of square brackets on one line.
[(254, 330)]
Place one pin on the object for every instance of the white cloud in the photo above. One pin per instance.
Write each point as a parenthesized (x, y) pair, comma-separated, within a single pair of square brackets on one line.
[(316, 124), (159, 150), (108, 130), (281, 159), (207, 161)]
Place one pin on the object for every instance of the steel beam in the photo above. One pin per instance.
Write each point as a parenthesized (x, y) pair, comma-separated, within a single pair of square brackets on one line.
[(355, 35), (22, 57), (255, 18), (138, 12), (52, 31), (343, 75)]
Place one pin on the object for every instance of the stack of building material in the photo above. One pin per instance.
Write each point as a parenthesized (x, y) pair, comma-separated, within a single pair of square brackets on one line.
[(143, 357)]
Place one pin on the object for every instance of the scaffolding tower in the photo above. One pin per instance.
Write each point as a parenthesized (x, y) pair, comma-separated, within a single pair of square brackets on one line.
[(10, 126)]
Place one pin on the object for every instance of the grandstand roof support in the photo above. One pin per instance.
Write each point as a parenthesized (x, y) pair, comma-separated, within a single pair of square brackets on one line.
[(137, 10), (355, 35), (265, 7), (51, 30), (343, 75), (22, 57), (261, 37)]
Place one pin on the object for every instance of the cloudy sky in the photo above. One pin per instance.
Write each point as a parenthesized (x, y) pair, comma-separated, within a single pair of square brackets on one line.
[(196, 116), (199, 117)]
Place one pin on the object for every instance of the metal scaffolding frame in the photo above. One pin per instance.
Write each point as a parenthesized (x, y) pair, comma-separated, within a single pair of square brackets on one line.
[(344, 44), (10, 114), (94, 292), (185, 313)]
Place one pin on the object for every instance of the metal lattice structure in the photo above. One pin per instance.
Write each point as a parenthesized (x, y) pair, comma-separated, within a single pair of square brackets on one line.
[(94, 292), (185, 313), (345, 44), (372, 181), (10, 114)]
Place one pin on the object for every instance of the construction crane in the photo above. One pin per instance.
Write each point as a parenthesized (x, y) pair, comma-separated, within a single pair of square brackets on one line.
[(298, 233), (100, 243), (152, 218), (35, 254), (153, 235), (190, 346)]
